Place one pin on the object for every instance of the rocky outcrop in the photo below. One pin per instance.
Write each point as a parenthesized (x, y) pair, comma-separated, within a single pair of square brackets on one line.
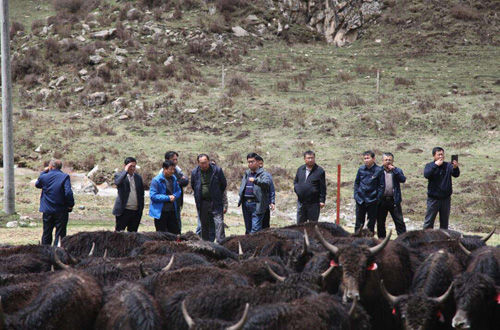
[(338, 21)]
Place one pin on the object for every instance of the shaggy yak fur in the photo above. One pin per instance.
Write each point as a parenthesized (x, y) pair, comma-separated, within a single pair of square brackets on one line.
[(476, 302), (129, 306), (69, 300), (420, 309), (211, 251)]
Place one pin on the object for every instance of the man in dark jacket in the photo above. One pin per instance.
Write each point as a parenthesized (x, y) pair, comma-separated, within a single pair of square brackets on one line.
[(391, 199), (368, 190), (310, 187), (266, 221), (208, 183), (56, 201), (439, 188), (129, 203), (182, 180), (254, 194)]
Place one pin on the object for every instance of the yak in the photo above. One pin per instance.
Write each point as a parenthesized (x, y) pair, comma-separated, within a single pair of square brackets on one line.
[(69, 300), (477, 302), (129, 306), (425, 306)]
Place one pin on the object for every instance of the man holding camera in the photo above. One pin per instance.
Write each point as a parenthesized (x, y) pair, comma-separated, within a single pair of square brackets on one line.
[(439, 188)]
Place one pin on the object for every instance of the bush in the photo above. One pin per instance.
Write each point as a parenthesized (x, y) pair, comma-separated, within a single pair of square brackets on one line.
[(75, 6), (37, 25), (282, 86), (344, 76), (14, 28), (399, 81), (95, 84), (465, 12), (237, 84), (354, 100)]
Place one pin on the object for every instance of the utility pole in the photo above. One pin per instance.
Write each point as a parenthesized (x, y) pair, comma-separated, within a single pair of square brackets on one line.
[(7, 131)]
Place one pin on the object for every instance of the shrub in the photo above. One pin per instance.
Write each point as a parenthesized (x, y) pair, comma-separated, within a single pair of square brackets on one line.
[(95, 84), (334, 103), (75, 6), (354, 100), (344, 76), (399, 81), (282, 86), (103, 128), (52, 51), (238, 83), (465, 12), (37, 25), (30, 80), (14, 28)]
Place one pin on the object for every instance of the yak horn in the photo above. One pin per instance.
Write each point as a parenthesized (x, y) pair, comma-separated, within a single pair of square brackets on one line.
[(105, 255), (58, 261), (143, 272), (59, 243), (327, 272), (487, 237), (74, 261), (187, 318), (273, 274), (91, 253), (445, 295), (353, 307), (377, 248), (306, 241), (467, 252), (389, 297), (169, 265), (240, 250), (242, 321), (52, 268), (445, 232), (330, 247)]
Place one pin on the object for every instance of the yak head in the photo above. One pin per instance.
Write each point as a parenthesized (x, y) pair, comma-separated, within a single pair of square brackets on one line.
[(474, 293), (417, 311), (213, 324), (356, 261)]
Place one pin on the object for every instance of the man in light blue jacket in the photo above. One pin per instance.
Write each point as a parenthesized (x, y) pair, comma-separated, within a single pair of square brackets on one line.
[(164, 193)]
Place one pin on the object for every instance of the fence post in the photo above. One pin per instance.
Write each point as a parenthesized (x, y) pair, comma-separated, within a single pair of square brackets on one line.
[(338, 194)]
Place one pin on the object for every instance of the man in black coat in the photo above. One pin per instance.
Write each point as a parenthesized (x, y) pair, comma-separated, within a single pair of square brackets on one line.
[(439, 189), (129, 203), (310, 187)]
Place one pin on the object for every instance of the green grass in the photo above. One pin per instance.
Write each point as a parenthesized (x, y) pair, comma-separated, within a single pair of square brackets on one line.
[(281, 125)]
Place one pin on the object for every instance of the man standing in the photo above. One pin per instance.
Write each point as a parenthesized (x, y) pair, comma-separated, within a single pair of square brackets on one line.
[(266, 221), (208, 183), (310, 187), (254, 194), (391, 199), (368, 190), (56, 201), (439, 188), (164, 193), (130, 200), (182, 180)]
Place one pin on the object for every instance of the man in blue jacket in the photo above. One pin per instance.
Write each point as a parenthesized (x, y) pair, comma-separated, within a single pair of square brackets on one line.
[(56, 201), (129, 203), (208, 183), (439, 188), (368, 190), (254, 194), (391, 199), (164, 193)]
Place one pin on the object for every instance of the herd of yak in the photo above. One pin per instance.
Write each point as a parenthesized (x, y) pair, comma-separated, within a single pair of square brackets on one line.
[(309, 276)]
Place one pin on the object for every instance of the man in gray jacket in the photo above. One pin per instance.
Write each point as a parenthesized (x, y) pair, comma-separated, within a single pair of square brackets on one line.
[(254, 194)]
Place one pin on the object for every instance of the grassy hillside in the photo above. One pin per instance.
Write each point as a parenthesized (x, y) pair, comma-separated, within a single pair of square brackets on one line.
[(280, 97)]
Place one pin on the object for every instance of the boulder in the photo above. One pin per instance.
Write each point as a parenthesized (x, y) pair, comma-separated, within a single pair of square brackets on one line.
[(12, 224), (239, 31), (98, 98), (95, 59), (104, 34)]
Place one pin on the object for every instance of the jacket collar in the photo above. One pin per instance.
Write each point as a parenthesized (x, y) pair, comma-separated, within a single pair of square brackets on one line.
[(258, 172)]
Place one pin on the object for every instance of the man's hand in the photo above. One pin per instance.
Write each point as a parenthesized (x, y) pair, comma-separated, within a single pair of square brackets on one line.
[(439, 162), (251, 179), (321, 205), (225, 210), (172, 197), (454, 163), (272, 207), (46, 169), (391, 167), (127, 167)]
